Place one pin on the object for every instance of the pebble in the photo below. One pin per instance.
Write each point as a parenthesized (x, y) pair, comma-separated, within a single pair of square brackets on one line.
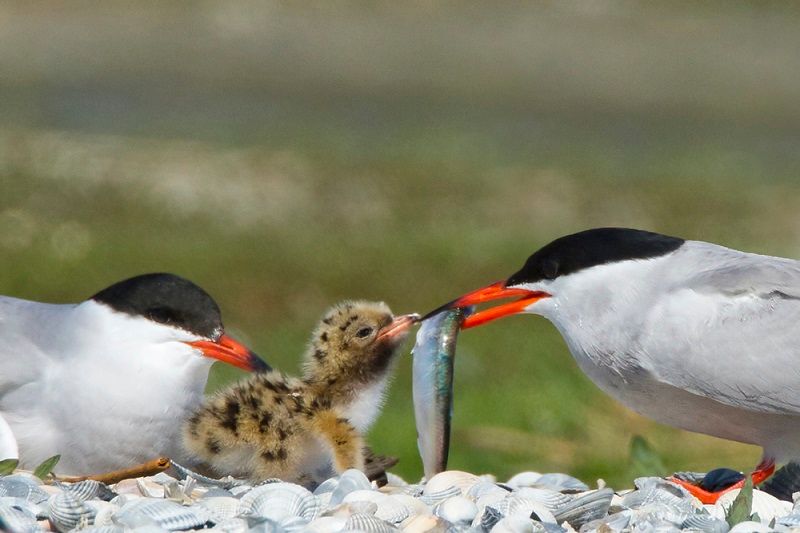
[(450, 502)]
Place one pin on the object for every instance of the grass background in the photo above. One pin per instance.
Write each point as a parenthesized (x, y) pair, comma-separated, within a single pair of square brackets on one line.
[(287, 156)]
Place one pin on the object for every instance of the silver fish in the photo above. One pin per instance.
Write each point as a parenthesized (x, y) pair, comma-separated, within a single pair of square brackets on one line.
[(434, 353)]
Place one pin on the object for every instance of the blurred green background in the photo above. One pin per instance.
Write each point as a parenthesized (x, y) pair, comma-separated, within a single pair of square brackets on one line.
[(287, 156)]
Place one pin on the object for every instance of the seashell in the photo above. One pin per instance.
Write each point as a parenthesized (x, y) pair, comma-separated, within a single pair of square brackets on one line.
[(457, 510), (655, 490), (88, 489), (163, 513), (450, 478), (23, 486), (279, 501), (750, 527), (790, 520), (15, 520), (104, 529), (68, 512), (368, 523), (292, 524), (361, 507), (524, 479), (415, 506), (706, 523), (516, 524), (488, 518), (233, 525), (432, 498), (413, 490), (226, 482), (216, 492), (327, 524), (514, 505), (220, 508), (551, 499), (264, 525), (561, 482), (127, 486), (584, 508), (386, 507), (34, 510), (329, 485), (423, 523), (476, 491), (150, 489), (767, 506), (349, 481), (103, 512), (613, 523), (395, 480), (657, 513)]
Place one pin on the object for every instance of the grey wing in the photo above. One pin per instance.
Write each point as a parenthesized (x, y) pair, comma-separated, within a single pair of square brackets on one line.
[(730, 332)]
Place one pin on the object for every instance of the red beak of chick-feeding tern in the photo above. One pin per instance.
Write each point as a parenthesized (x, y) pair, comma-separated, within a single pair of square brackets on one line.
[(231, 351), (495, 291)]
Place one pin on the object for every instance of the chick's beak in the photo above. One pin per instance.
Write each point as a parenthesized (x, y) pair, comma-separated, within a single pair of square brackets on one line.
[(398, 327), (495, 291), (231, 351)]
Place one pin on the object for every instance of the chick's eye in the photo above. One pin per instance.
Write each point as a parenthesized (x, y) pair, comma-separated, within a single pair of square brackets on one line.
[(363, 332)]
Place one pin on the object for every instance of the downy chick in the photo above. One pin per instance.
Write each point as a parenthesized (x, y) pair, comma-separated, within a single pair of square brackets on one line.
[(305, 430)]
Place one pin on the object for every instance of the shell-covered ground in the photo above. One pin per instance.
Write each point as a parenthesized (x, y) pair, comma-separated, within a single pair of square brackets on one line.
[(452, 501)]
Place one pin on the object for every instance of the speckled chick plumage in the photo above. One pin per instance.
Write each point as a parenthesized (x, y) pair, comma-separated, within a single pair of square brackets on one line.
[(305, 429)]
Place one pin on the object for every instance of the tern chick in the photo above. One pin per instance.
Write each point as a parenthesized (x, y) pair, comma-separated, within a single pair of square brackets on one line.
[(305, 430)]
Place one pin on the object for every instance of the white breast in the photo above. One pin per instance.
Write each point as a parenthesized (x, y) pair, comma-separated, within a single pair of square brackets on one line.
[(364, 409)]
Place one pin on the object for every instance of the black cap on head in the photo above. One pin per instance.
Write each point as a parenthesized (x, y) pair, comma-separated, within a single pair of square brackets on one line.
[(168, 299), (591, 248)]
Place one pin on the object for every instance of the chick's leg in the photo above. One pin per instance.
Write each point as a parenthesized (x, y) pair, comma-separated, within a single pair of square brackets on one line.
[(346, 442)]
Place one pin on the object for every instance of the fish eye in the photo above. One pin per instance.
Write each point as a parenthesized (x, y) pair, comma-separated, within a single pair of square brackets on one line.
[(364, 332)]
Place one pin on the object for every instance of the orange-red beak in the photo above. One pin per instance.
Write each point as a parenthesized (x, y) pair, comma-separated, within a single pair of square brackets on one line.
[(230, 351), (495, 291)]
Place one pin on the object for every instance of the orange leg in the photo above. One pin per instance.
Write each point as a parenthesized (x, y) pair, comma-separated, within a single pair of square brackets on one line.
[(764, 469)]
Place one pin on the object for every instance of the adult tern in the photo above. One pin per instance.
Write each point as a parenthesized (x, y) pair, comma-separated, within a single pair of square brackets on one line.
[(106, 383), (688, 333)]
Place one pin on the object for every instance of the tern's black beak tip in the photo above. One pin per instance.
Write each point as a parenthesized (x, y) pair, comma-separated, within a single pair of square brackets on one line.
[(257, 364)]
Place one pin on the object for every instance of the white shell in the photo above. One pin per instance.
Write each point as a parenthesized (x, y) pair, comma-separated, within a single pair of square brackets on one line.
[(88, 489), (706, 523), (457, 510), (551, 499), (482, 488), (368, 523), (232, 525), (165, 513), (765, 505), (16, 520), (23, 486), (515, 524), (220, 508), (104, 511), (585, 508), (387, 507), (524, 479), (432, 498), (279, 501), (749, 527), (67, 512), (561, 482), (450, 478), (349, 481), (421, 524), (327, 524)]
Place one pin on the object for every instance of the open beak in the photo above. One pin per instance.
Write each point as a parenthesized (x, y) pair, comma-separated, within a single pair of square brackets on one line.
[(398, 327), (230, 351), (495, 291)]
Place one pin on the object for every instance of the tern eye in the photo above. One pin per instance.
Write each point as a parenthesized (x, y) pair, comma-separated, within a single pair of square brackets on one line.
[(364, 332), (550, 269), (162, 315)]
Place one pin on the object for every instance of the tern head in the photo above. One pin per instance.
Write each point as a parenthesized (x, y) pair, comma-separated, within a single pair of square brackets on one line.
[(163, 308), (558, 267), (356, 340)]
